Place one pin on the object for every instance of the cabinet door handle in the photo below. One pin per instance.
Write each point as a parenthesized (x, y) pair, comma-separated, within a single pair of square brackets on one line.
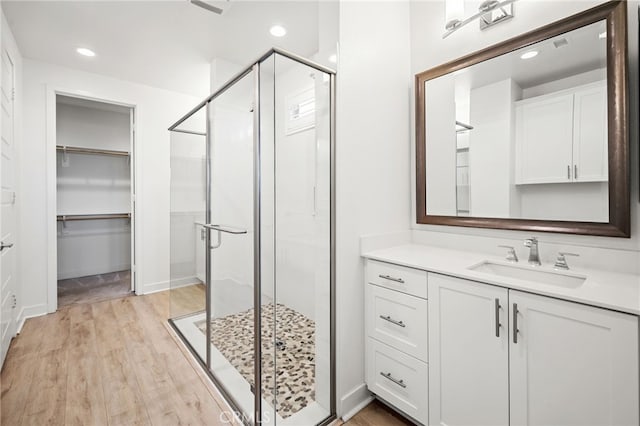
[(392, 321), (515, 323), (568, 171), (497, 311), (388, 376), (390, 278), (575, 171)]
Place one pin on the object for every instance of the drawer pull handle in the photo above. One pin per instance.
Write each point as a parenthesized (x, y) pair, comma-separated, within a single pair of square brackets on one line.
[(390, 278), (392, 321), (388, 376)]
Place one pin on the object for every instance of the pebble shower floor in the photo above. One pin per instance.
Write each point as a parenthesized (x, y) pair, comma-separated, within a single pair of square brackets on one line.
[(291, 351)]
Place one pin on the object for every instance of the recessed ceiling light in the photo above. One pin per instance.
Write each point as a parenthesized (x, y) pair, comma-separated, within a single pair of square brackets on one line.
[(85, 52), (602, 34), (278, 31), (530, 54), (333, 58)]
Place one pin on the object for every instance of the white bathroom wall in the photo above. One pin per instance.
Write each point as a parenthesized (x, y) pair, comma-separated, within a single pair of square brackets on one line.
[(373, 161), (296, 164), (491, 149), (428, 50), (441, 157), (156, 110), (188, 200)]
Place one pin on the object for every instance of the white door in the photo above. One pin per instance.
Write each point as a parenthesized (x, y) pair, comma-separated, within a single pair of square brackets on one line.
[(468, 353), (544, 134), (571, 364), (8, 312), (590, 151)]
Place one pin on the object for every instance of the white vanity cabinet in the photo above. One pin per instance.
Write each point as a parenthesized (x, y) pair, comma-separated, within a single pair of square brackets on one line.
[(396, 316), (571, 364), (469, 353), (562, 137), (505, 357)]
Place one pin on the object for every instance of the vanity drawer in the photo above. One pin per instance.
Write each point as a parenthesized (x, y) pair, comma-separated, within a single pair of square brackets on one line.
[(399, 278), (397, 319), (399, 379)]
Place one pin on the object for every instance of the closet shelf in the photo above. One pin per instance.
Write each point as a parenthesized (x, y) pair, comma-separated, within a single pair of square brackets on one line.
[(70, 217), (80, 150)]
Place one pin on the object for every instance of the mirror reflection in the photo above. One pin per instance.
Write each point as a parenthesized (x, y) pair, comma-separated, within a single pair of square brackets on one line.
[(522, 135)]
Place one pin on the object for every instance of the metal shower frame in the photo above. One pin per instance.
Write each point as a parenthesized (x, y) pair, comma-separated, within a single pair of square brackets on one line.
[(257, 285)]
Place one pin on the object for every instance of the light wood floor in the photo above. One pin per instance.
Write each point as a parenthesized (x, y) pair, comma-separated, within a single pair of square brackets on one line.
[(115, 363), (110, 362), (377, 414)]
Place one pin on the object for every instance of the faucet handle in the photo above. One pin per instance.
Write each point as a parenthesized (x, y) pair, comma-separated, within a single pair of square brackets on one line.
[(511, 254), (530, 241), (561, 260)]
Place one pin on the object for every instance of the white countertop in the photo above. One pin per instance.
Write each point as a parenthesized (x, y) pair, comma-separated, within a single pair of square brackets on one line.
[(611, 290)]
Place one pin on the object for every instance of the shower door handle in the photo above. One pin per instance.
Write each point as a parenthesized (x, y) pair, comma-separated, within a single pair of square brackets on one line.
[(225, 228), (219, 229)]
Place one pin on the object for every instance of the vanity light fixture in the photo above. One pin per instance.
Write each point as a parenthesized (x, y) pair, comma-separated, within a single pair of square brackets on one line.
[(490, 13), (86, 52), (530, 54), (278, 31)]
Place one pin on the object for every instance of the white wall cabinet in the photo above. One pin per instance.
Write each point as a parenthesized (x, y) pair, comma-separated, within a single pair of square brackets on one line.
[(562, 137), (548, 362)]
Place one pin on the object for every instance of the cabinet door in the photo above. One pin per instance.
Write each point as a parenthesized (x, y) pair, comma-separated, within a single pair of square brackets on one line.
[(468, 353), (571, 364), (590, 151), (544, 134)]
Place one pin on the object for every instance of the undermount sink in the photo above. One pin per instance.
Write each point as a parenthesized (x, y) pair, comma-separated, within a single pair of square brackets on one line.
[(528, 273)]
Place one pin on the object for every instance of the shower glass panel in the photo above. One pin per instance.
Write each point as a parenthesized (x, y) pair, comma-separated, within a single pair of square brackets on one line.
[(231, 134), (187, 237), (252, 272)]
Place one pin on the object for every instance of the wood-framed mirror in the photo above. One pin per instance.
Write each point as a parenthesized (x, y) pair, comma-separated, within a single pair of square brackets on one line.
[(532, 133)]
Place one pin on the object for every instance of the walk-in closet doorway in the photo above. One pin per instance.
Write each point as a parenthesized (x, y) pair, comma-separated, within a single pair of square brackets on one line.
[(91, 193)]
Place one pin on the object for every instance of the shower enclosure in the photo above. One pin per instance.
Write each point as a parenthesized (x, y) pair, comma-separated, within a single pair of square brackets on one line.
[(252, 240)]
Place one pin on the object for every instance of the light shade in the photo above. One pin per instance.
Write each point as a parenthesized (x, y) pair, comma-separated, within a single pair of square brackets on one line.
[(453, 11)]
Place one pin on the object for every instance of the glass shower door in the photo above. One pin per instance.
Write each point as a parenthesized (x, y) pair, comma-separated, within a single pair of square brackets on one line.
[(231, 232)]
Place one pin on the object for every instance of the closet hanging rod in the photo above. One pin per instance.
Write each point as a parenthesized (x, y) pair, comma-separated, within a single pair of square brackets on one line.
[(80, 150), (70, 217)]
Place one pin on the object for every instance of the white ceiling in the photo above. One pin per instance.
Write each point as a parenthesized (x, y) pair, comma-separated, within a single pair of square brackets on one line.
[(584, 51), (167, 44)]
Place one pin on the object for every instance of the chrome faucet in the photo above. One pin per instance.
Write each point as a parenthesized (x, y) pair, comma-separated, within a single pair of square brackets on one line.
[(534, 254)]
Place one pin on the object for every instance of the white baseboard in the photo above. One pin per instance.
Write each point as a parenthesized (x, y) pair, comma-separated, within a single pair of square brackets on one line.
[(30, 312), (350, 404), (154, 287), (166, 285)]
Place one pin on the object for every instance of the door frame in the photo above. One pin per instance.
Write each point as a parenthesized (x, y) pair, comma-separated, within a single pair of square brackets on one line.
[(52, 226)]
